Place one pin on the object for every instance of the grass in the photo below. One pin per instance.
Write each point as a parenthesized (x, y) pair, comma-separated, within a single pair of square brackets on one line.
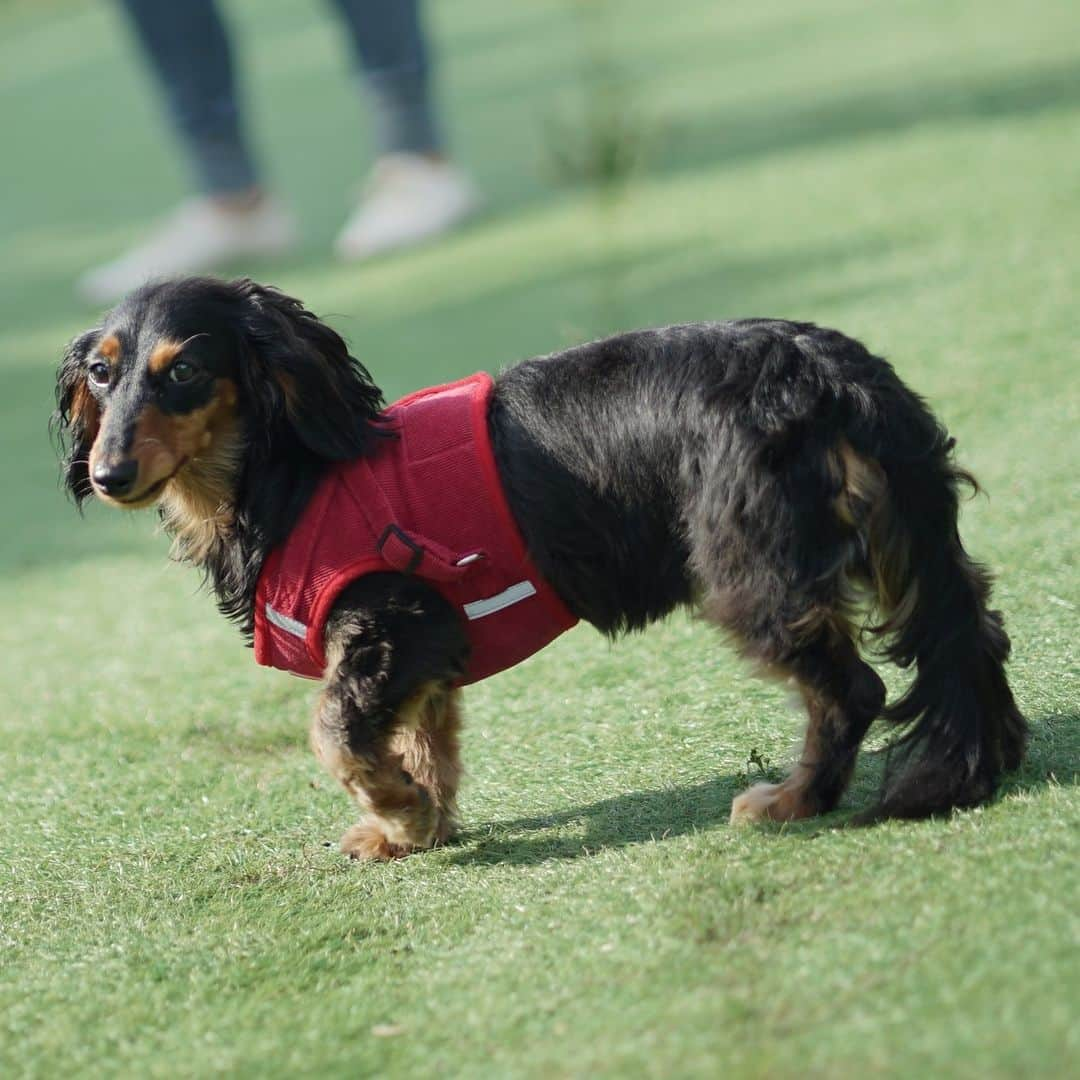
[(171, 901)]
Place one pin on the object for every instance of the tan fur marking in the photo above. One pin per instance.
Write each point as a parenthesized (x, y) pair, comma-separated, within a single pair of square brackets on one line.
[(84, 410), (163, 354), (430, 753), (162, 442), (864, 503), (835, 726), (864, 484), (109, 348), (865, 500), (787, 800), (197, 456), (836, 622), (408, 787), (197, 503), (774, 802), (368, 841)]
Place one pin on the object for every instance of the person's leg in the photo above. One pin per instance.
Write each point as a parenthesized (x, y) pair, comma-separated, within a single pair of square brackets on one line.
[(188, 50), (415, 193), (391, 49)]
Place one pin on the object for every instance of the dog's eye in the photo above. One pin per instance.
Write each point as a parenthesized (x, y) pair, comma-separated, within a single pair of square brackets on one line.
[(99, 374), (182, 372)]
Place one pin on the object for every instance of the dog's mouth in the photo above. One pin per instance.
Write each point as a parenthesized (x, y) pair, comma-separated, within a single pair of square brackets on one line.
[(143, 498)]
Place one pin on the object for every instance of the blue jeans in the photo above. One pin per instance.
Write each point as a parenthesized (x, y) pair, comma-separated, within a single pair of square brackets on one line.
[(187, 46)]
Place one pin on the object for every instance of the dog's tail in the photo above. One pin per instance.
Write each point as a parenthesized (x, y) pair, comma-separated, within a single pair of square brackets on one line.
[(900, 492)]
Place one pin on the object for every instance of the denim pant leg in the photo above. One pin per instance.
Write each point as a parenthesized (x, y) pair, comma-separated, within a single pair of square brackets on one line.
[(388, 40), (188, 49)]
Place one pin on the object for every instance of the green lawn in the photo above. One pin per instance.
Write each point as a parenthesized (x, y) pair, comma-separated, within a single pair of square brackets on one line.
[(171, 899)]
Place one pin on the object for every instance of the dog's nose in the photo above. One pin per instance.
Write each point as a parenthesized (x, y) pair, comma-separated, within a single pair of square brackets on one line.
[(116, 478)]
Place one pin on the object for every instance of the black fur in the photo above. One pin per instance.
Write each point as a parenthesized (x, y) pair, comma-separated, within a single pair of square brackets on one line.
[(393, 634), (760, 470), (331, 416), (697, 462)]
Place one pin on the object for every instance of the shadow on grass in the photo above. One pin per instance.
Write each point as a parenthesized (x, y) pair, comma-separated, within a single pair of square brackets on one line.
[(635, 817), (639, 817), (1053, 756)]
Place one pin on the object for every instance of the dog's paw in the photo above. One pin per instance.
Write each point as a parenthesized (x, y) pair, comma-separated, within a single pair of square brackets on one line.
[(368, 841), (445, 830), (769, 802)]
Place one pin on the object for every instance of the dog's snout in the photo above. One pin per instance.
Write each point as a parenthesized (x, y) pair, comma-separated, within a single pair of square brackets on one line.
[(116, 478)]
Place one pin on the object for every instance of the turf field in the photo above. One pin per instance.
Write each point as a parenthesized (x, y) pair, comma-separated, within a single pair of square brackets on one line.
[(171, 898)]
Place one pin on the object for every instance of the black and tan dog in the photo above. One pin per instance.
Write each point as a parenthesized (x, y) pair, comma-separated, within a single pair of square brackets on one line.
[(766, 473)]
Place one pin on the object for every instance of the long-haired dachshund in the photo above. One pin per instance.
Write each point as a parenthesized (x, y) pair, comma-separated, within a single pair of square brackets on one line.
[(768, 474)]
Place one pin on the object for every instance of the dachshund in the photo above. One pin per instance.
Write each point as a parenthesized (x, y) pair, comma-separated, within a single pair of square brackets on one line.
[(772, 476)]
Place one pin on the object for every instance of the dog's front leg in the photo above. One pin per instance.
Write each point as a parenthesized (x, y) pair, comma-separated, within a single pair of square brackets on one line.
[(387, 723), (403, 774)]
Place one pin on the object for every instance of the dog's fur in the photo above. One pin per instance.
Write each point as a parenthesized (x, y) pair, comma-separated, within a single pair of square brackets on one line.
[(761, 471)]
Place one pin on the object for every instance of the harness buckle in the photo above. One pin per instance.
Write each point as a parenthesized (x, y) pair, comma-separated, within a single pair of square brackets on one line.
[(416, 552)]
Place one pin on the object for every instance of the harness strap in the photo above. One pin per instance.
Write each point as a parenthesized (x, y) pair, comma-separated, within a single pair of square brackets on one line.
[(410, 553)]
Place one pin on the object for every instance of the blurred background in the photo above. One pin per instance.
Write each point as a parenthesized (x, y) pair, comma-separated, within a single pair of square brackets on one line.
[(907, 171)]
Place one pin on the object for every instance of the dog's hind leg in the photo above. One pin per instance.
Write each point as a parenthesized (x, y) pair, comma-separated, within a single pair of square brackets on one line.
[(843, 696), (788, 600), (404, 777)]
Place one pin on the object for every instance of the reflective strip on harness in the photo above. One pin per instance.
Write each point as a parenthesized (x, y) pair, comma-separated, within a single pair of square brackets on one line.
[(291, 626), (521, 591)]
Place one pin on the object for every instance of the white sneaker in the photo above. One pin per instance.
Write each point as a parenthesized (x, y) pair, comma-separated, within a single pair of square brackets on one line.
[(408, 199), (200, 234)]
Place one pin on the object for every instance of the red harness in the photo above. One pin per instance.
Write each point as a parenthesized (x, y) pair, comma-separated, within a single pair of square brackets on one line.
[(433, 476)]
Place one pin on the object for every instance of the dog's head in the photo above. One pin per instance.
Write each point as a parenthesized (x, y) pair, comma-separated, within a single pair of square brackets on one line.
[(186, 382)]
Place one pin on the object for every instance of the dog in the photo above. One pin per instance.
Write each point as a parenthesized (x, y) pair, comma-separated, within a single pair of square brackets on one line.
[(773, 476)]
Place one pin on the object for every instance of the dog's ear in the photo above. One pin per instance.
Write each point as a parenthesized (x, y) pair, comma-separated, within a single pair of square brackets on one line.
[(299, 374), (76, 420)]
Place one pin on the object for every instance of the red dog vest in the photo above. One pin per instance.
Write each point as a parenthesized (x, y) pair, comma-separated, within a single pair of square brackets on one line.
[(427, 501)]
